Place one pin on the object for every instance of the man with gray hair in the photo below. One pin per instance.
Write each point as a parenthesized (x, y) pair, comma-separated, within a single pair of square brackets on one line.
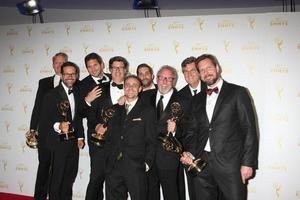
[(166, 169)]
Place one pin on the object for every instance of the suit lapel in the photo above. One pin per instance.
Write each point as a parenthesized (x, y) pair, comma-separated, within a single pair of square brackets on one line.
[(223, 93)]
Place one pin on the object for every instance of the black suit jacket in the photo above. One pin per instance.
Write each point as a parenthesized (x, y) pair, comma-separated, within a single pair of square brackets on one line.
[(45, 85), (133, 135), (164, 159), (88, 83), (232, 130), (50, 115), (186, 96), (98, 107)]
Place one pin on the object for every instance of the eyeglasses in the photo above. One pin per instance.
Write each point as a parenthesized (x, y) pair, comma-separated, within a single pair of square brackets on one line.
[(69, 74), (161, 78), (117, 68)]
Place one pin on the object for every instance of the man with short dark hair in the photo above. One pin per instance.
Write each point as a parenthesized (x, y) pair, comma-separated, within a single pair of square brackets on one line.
[(62, 108), (145, 73)]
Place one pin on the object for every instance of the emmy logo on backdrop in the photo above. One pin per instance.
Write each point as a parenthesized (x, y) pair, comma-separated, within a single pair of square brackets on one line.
[(106, 116), (153, 25), (279, 44), (279, 92), (29, 30), (85, 48), (251, 21), (11, 50), (129, 47), (24, 105), (201, 24), (23, 147), (7, 126), (27, 67), (171, 144), (47, 49), (277, 188), (21, 186), (4, 163), (68, 29), (226, 45), (108, 27), (176, 46), (9, 87)]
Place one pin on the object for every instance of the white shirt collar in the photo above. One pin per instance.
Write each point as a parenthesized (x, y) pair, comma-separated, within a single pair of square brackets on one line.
[(198, 88)]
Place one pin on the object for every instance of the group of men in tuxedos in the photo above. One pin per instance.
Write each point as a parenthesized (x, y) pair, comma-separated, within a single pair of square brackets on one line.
[(218, 125)]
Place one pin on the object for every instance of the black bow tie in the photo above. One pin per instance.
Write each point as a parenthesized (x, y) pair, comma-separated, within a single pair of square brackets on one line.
[(120, 86), (70, 91), (101, 80), (210, 91)]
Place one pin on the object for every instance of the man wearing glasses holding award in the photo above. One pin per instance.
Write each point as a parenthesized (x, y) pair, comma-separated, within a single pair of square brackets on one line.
[(62, 131)]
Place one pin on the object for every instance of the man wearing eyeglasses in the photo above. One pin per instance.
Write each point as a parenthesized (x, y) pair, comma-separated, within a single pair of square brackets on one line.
[(55, 124), (166, 169), (112, 93)]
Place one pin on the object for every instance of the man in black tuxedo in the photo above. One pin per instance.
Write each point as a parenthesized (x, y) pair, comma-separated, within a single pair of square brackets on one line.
[(111, 93), (93, 82), (45, 85), (222, 131), (130, 144), (91, 88), (54, 126), (166, 171), (145, 74), (193, 87)]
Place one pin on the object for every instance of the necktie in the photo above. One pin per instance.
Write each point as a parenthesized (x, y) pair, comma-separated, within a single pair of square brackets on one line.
[(160, 107), (70, 91), (127, 108), (120, 86), (195, 92), (209, 91), (101, 80)]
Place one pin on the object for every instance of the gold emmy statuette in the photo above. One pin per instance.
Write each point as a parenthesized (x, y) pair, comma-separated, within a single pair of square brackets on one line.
[(168, 141), (63, 108), (31, 139), (106, 115), (171, 144)]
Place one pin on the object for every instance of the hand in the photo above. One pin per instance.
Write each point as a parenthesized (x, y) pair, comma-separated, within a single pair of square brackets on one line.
[(187, 158), (246, 173), (93, 94), (80, 144), (100, 129), (64, 127), (171, 126), (121, 100)]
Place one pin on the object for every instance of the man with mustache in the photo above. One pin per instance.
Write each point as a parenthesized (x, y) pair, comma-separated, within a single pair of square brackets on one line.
[(222, 131)]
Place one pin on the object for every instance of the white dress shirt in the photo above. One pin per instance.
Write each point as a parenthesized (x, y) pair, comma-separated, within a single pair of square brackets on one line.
[(210, 106), (115, 93)]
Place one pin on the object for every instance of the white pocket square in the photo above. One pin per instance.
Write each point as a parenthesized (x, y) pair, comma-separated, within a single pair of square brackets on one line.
[(137, 119)]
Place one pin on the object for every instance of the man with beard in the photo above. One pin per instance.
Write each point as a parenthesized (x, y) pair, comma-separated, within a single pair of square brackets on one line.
[(166, 171), (62, 108), (222, 131), (145, 73)]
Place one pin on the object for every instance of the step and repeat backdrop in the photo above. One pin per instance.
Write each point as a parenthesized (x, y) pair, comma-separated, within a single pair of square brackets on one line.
[(259, 51)]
